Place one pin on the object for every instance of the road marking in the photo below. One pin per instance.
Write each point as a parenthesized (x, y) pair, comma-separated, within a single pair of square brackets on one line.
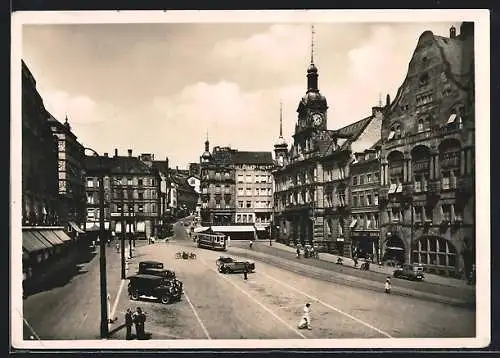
[(113, 311), (328, 305), (197, 316), (254, 299), (29, 326), (158, 333)]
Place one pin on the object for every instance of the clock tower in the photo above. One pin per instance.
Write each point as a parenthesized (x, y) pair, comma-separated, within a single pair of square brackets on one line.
[(312, 109)]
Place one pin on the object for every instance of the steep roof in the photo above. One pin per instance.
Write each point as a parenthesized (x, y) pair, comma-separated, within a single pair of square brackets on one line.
[(116, 165), (161, 166), (353, 130), (243, 157)]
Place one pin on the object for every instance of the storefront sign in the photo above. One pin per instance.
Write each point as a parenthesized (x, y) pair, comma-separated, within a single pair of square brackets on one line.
[(365, 234)]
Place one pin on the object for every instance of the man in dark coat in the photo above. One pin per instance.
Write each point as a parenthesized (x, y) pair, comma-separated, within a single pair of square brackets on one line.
[(128, 323), (139, 320), (245, 272)]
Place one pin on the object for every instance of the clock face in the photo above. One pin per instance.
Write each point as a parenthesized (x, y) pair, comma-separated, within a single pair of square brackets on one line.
[(317, 119)]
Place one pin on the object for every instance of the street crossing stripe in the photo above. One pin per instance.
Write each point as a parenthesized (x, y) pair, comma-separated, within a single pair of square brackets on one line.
[(117, 298), (329, 306), (197, 317), (254, 299)]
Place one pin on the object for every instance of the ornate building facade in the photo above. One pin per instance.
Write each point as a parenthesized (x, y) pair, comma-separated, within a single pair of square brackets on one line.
[(427, 157), (132, 193), (217, 186), (364, 186), (40, 184), (70, 172), (312, 177)]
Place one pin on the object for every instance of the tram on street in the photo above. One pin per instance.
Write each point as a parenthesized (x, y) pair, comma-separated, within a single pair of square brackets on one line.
[(211, 241)]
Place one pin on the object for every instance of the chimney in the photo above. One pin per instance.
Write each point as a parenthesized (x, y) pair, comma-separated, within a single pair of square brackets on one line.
[(177, 168), (387, 100), (453, 32), (116, 152), (166, 162), (130, 152), (106, 154)]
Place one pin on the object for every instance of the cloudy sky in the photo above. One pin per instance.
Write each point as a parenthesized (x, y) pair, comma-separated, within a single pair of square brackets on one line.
[(158, 88)]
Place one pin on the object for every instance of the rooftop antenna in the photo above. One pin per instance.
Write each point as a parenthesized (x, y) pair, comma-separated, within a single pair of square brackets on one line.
[(312, 43)]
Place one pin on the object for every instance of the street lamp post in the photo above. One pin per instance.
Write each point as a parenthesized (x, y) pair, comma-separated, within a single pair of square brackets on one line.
[(122, 236), (102, 253)]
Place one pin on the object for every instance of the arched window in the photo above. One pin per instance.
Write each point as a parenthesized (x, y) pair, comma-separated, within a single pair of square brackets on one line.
[(435, 251), (420, 125)]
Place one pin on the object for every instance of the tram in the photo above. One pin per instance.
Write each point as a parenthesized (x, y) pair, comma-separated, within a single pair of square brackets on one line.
[(211, 241)]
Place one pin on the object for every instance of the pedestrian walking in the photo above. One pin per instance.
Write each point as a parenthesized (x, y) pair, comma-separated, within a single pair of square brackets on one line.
[(305, 321), (139, 321), (387, 286), (128, 323), (117, 247), (298, 252), (251, 243), (245, 272), (228, 241), (108, 298)]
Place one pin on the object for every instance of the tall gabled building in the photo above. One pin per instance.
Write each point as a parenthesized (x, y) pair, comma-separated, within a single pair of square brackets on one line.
[(428, 174)]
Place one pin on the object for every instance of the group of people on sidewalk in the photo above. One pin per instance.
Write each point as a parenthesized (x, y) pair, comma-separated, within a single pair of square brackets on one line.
[(138, 318)]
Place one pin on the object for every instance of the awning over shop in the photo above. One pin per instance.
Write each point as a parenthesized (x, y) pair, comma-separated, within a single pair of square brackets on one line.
[(200, 229), (229, 228), (32, 244), (75, 227), (94, 226), (42, 238), (51, 237), (62, 235)]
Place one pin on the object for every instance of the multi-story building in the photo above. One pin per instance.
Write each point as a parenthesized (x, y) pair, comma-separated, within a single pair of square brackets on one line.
[(71, 154), (217, 186), (40, 199), (254, 188), (311, 179), (363, 200), (132, 187), (186, 196), (427, 157)]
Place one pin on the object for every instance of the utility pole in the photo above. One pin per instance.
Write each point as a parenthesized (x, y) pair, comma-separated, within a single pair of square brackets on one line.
[(123, 225), (410, 256), (102, 259)]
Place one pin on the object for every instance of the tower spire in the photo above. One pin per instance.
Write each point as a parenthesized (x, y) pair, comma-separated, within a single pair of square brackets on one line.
[(312, 43), (281, 119)]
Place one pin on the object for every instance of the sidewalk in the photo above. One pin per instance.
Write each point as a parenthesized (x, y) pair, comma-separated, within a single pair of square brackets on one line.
[(387, 270)]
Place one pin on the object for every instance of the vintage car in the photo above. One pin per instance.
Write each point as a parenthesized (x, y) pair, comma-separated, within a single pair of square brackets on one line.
[(229, 265), (410, 272), (150, 265), (167, 274), (150, 286)]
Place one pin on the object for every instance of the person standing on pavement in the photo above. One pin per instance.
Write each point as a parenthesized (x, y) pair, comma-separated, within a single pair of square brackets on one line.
[(139, 320), (128, 323), (228, 241), (298, 252), (245, 272), (305, 321), (387, 286)]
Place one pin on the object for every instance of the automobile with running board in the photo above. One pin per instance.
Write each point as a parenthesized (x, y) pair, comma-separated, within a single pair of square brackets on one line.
[(413, 272), (166, 274), (227, 264), (153, 287)]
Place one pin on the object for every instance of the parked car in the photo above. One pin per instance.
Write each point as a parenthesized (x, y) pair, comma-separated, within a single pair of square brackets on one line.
[(229, 265), (410, 272), (150, 286), (166, 274), (143, 265)]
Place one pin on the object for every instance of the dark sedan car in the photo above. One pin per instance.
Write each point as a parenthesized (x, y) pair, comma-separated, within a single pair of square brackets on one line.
[(166, 274), (410, 272), (149, 286), (229, 265)]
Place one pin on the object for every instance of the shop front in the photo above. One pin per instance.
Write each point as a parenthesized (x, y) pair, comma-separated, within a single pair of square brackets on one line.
[(365, 244)]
